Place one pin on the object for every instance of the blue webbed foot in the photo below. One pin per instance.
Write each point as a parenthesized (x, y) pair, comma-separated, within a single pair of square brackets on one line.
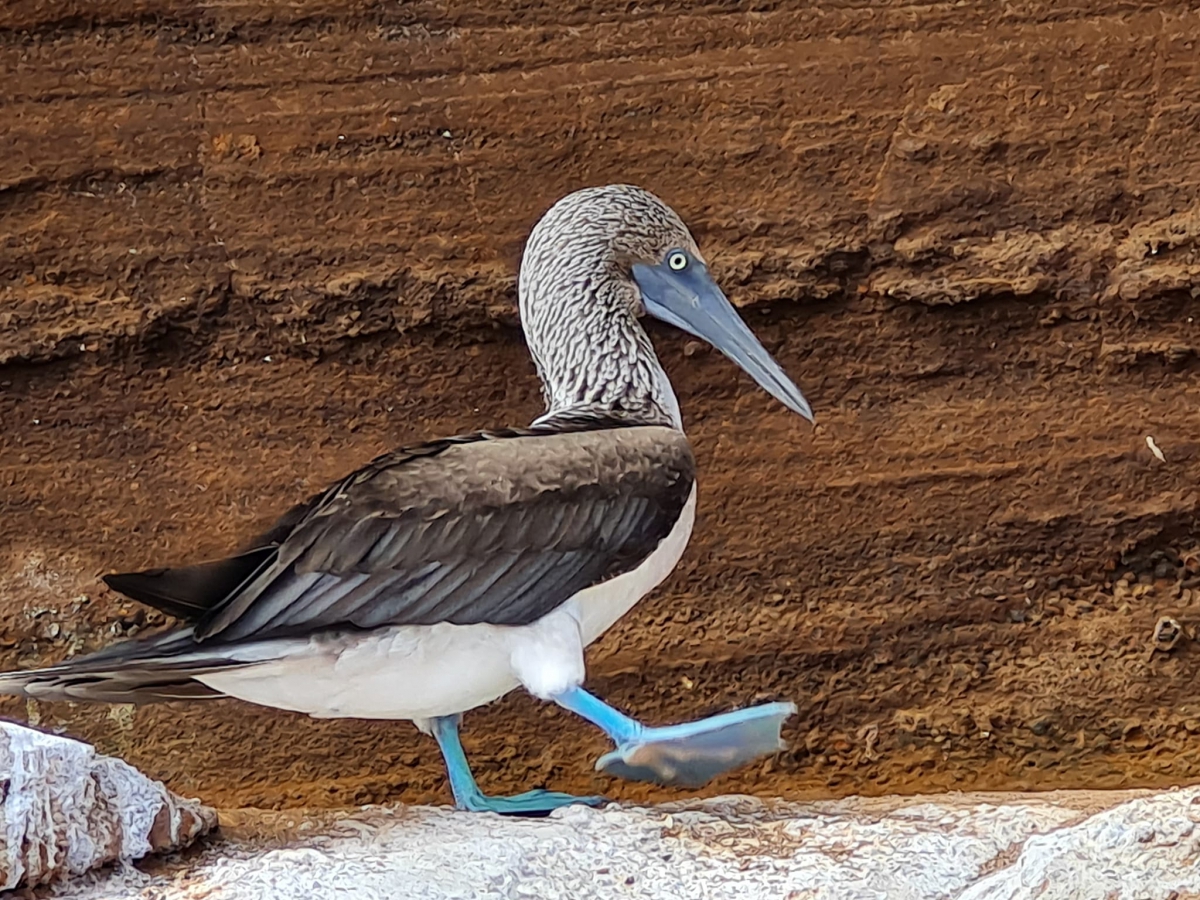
[(468, 796), (694, 753), (530, 804), (686, 755)]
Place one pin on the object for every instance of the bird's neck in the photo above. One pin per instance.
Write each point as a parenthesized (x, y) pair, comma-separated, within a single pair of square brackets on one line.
[(619, 375), (595, 356)]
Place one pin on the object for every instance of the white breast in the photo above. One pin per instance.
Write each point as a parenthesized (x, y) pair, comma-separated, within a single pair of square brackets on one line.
[(419, 672), (597, 608)]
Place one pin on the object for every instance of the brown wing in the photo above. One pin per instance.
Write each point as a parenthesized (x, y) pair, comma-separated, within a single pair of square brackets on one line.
[(499, 528)]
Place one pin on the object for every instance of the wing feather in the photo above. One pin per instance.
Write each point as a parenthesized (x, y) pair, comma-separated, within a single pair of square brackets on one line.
[(463, 531)]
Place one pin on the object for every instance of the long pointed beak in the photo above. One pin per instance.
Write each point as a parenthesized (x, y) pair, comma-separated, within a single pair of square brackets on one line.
[(690, 300)]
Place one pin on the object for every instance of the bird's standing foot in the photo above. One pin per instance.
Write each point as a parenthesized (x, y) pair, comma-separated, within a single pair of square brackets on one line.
[(531, 803), (686, 755), (468, 796)]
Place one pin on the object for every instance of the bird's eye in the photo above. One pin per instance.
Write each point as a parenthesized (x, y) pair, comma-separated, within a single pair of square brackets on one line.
[(677, 260)]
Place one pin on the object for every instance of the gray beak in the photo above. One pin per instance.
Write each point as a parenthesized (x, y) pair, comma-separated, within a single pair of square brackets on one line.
[(690, 300)]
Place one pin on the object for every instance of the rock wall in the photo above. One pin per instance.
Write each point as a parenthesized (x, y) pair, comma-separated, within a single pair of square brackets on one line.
[(245, 247)]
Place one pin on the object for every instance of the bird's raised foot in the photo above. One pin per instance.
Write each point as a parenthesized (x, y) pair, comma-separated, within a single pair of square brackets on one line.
[(531, 804), (694, 753)]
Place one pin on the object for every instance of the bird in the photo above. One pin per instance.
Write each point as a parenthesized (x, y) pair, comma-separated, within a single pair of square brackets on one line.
[(441, 576)]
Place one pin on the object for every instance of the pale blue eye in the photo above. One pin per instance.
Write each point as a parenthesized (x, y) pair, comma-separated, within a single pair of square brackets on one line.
[(677, 261)]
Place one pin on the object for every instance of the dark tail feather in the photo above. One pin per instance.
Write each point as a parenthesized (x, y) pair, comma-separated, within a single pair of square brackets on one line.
[(107, 687), (191, 592), (157, 668)]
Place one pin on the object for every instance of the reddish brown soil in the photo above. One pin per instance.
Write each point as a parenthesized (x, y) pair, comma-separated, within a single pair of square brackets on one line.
[(243, 249)]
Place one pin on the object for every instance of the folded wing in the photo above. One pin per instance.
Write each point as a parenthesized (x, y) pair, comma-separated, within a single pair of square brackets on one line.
[(497, 527)]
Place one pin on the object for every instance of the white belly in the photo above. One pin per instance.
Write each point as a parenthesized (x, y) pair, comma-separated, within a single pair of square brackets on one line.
[(422, 671)]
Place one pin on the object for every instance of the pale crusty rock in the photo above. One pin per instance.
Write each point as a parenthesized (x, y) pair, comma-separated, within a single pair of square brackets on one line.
[(1077, 845), (66, 809)]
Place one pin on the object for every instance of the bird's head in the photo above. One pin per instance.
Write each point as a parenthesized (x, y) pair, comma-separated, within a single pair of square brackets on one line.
[(624, 246)]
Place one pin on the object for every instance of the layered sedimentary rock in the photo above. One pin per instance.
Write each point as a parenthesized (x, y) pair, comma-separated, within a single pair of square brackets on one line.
[(244, 247)]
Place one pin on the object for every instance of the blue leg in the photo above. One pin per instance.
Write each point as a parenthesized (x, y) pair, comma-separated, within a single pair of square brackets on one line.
[(685, 755), (467, 794)]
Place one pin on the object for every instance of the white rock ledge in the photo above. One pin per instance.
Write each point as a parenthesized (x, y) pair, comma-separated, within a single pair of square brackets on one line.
[(66, 809), (1074, 844)]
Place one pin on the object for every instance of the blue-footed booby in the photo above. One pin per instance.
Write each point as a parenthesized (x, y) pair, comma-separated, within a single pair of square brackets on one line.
[(439, 577)]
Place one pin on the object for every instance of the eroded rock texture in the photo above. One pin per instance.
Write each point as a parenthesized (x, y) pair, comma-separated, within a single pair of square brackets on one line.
[(1056, 847), (245, 246), (65, 809)]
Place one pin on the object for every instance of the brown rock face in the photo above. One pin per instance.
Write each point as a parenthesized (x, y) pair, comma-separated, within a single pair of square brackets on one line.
[(245, 247)]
